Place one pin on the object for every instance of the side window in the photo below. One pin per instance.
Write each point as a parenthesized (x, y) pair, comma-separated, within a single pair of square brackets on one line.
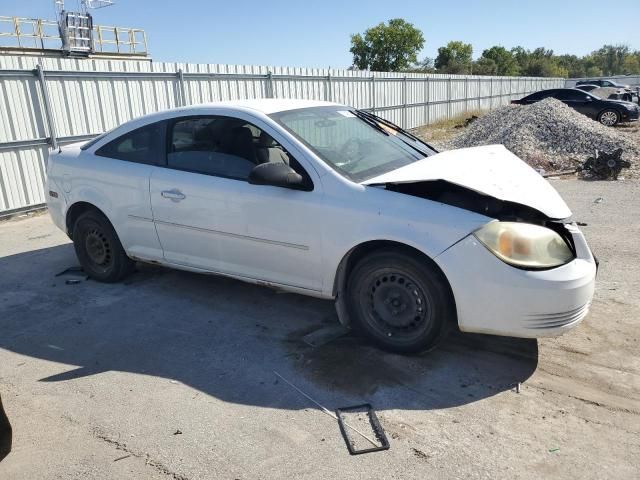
[(222, 146), (563, 95), (143, 145), (570, 95), (540, 95)]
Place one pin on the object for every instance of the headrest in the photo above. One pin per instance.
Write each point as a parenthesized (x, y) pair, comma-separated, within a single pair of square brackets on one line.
[(266, 141)]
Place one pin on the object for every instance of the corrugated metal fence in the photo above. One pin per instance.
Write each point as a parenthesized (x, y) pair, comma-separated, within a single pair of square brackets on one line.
[(55, 101)]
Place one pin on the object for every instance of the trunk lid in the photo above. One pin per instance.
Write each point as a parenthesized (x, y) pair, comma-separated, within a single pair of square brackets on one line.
[(490, 170)]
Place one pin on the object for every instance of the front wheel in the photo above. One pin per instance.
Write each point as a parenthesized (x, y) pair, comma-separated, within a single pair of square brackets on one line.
[(99, 249), (609, 118), (400, 301)]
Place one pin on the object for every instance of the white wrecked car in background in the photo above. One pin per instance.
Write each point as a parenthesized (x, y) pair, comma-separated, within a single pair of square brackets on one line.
[(325, 200)]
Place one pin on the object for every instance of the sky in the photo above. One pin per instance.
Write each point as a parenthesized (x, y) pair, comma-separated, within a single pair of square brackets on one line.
[(313, 33)]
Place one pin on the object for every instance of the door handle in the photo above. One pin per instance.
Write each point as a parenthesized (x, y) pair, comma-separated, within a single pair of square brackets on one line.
[(174, 195)]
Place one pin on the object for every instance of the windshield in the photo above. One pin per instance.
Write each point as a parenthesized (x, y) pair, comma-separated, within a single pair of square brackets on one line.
[(357, 144)]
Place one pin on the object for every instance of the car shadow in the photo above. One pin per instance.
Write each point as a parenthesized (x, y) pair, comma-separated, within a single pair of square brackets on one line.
[(227, 339)]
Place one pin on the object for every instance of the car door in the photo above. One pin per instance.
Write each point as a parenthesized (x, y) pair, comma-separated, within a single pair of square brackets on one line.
[(209, 217), (121, 171), (578, 100)]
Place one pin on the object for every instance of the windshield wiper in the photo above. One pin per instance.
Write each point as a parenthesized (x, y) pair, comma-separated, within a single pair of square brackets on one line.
[(369, 121), (393, 126)]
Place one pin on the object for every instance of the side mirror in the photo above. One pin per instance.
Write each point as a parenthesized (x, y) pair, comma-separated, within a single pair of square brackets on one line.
[(276, 174)]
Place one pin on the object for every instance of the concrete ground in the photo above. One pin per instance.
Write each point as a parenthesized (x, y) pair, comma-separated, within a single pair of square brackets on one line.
[(171, 375)]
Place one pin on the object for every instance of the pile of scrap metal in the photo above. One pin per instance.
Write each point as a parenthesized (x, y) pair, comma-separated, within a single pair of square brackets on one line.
[(604, 165)]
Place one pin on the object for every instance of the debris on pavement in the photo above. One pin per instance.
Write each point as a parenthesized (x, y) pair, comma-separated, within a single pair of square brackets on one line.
[(547, 134), (552, 450), (604, 165), (598, 200), (324, 335), (362, 414), (71, 270), (467, 122), (72, 281), (342, 423), (178, 432)]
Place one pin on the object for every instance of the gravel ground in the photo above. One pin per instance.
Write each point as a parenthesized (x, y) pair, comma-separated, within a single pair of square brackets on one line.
[(170, 375), (547, 135)]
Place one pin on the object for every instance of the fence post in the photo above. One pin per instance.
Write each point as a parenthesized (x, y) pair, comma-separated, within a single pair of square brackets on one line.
[(51, 126), (329, 92), (490, 93), (449, 97), (426, 101), (269, 85), (404, 102), (373, 93), (183, 94), (466, 93), (479, 91)]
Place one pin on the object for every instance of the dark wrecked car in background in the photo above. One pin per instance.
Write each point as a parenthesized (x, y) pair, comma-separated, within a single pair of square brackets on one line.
[(607, 112), (333, 202), (602, 84)]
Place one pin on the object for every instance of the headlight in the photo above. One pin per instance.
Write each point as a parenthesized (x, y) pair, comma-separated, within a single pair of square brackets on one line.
[(525, 245)]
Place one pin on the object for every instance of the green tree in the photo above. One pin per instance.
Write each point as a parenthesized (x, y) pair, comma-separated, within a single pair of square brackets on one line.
[(455, 57), (632, 63), (485, 66), (504, 60), (389, 47), (424, 66), (591, 66), (611, 58), (540, 62), (575, 66)]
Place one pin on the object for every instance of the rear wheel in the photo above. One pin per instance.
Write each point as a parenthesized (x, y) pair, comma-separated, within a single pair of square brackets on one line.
[(401, 302), (609, 118), (99, 249)]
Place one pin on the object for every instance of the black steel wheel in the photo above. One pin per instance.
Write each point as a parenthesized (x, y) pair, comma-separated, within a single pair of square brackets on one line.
[(99, 249), (400, 301)]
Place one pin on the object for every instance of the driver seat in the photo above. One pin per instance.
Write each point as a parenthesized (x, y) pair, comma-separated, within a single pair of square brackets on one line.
[(268, 150)]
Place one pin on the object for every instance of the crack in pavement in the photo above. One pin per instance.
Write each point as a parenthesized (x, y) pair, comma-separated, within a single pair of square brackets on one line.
[(160, 467), (587, 401)]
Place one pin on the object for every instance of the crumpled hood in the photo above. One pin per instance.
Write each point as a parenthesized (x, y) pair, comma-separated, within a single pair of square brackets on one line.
[(491, 170)]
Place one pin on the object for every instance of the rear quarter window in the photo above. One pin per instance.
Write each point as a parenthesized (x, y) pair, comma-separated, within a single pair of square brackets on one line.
[(144, 145)]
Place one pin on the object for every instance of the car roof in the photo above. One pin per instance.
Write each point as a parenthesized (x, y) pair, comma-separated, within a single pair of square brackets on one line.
[(270, 105)]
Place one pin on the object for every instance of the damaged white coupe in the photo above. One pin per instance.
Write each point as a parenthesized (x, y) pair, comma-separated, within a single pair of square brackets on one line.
[(334, 202)]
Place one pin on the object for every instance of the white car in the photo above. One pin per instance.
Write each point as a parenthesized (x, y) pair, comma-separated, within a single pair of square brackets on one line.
[(326, 200)]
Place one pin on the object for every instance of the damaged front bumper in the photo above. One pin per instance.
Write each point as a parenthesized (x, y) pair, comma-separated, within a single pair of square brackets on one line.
[(495, 298)]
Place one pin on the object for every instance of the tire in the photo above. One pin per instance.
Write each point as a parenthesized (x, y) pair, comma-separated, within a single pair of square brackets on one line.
[(609, 117), (99, 249), (400, 302)]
